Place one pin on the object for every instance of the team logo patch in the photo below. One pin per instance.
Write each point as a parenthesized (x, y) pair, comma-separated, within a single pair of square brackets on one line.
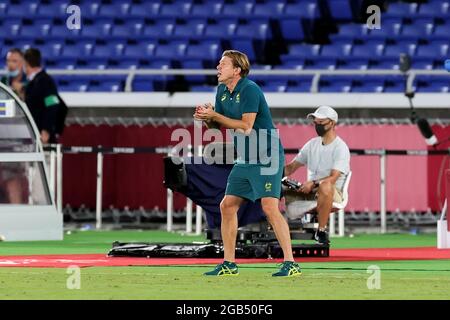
[(238, 98), (268, 186)]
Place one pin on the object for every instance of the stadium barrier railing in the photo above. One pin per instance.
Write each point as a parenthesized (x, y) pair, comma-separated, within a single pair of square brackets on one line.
[(56, 152)]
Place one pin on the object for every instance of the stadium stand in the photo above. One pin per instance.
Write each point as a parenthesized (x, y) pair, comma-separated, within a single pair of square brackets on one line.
[(281, 33)]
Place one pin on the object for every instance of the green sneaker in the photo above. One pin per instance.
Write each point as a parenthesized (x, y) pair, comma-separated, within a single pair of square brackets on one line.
[(288, 269), (224, 269)]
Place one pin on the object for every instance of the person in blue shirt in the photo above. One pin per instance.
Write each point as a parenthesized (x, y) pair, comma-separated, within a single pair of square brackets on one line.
[(241, 106)]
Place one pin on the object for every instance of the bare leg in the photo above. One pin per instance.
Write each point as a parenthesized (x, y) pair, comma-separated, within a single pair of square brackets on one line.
[(14, 191), (279, 225), (228, 209), (324, 203)]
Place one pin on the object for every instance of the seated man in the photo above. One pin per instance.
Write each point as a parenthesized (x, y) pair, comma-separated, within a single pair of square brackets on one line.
[(327, 158)]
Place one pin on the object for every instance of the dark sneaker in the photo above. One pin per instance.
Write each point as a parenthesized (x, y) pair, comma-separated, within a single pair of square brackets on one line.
[(288, 269), (321, 237), (224, 269)]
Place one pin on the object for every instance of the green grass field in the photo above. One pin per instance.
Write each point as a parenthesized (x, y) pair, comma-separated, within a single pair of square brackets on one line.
[(426, 279)]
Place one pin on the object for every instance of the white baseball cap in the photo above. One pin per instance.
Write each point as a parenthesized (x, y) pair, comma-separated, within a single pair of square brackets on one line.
[(324, 112)]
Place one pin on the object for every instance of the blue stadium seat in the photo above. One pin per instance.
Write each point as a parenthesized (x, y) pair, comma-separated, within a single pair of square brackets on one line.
[(72, 83), (259, 30), (191, 30), (21, 44), (161, 63), (114, 10), (73, 87), (62, 32), (148, 10), (368, 84), (292, 29), (53, 9), (322, 63), (90, 9), (401, 9), (275, 86), (424, 64), (301, 51), (307, 10), (300, 84), (51, 49), (110, 50), (3, 8), (173, 51), (269, 9), (368, 50), (106, 85), (176, 9), (10, 31), (35, 31), (331, 50), (340, 10), (354, 64), (62, 63), (416, 31), (442, 31), (351, 31), (140, 51), (208, 9), (143, 85), (335, 86), (80, 50), (92, 63), (225, 29), (394, 50), (432, 83), (193, 64), (125, 63), (294, 64), (260, 77), (435, 50), (238, 9), (388, 31), (435, 9), (23, 10), (394, 84), (163, 29), (205, 51), (245, 46), (96, 31), (385, 63), (126, 31)]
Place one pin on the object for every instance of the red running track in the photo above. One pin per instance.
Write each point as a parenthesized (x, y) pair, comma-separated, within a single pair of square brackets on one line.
[(100, 260)]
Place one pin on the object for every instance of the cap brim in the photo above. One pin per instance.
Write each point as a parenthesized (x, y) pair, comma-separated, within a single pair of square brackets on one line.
[(315, 115)]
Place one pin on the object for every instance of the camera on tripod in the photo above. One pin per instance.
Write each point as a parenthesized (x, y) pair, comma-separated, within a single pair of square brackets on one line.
[(291, 183)]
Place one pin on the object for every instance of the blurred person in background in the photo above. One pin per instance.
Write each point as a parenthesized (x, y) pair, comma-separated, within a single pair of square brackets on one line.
[(15, 76), (42, 98), (12, 174), (327, 158)]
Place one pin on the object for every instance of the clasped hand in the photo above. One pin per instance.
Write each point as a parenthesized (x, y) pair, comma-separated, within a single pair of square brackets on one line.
[(204, 112)]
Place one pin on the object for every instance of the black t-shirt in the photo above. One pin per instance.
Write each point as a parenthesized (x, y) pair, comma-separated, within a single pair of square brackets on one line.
[(41, 97)]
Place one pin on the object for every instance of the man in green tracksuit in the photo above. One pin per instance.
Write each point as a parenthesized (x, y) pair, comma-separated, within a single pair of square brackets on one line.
[(257, 173)]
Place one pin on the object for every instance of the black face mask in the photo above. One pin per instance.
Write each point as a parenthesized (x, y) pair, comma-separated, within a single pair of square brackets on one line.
[(320, 129)]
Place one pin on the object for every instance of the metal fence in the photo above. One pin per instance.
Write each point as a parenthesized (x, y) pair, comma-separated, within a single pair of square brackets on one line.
[(56, 156)]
